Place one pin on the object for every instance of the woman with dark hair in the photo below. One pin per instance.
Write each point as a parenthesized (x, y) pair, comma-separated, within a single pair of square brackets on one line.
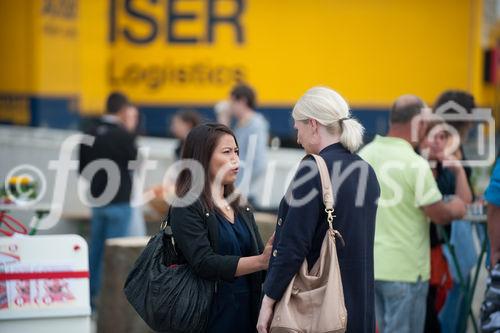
[(451, 180), (218, 237), (451, 102)]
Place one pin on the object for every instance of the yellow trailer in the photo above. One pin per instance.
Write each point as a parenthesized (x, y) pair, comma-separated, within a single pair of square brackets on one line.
[(60, 58)]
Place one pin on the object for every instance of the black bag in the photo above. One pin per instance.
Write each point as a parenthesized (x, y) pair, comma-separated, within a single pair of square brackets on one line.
[(164, 290)]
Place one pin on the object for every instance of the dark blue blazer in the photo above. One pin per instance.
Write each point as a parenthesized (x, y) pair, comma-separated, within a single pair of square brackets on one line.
[(301, 228)]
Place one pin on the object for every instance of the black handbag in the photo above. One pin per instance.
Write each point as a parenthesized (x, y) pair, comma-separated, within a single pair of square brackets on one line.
[(164, 290)]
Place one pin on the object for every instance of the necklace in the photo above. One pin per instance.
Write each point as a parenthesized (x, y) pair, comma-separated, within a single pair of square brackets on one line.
[(225, 205)]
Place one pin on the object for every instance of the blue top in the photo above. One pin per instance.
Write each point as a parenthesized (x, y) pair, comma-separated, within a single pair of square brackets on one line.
[(234, 239), (232, 310), (252, 141), (492, 194)]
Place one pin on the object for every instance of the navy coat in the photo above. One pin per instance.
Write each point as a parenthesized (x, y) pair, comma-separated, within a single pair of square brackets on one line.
[(302, 226)]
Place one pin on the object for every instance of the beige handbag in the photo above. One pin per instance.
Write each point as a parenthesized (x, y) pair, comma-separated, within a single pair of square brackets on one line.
[(314, 301)]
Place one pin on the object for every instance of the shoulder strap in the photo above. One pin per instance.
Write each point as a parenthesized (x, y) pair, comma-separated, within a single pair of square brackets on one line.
[(165, 224), (328, 198), (326, 183)]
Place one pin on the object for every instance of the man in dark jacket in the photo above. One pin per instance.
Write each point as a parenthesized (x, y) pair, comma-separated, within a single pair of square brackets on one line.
[(105, 164)]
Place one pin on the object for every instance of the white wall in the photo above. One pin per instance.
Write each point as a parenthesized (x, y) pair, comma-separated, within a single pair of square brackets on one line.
[(37, 146)]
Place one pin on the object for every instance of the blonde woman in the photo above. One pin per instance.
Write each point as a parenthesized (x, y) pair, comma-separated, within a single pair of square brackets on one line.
[(325, 127)]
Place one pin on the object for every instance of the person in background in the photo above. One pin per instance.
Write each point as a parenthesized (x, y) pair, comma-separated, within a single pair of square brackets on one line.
[(325, 127), (182, 123), (131, 118), (223, 112), (451, 180), (447, 104), (116, 143), (409, 197), (492, 196), (252, 133), (490, 310), (137, 224)]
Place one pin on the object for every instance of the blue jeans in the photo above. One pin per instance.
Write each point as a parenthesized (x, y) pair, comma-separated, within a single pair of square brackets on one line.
[(109, 221), (400, 306), (137, 225)]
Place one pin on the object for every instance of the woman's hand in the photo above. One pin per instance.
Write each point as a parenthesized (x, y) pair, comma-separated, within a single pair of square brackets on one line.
[(452, 163), (248, 265), (266, 254), (266, 314)]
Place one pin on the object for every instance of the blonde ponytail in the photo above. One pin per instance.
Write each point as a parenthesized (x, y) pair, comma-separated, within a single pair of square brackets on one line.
[(331, 110), (351, 134)]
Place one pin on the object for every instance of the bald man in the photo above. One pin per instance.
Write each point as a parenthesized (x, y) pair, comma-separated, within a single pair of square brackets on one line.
[(409, 197)]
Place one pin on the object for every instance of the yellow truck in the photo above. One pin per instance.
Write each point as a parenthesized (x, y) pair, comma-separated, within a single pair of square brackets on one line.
[(60, 58)]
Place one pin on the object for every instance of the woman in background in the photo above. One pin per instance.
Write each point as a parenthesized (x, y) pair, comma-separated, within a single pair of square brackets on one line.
[(451, 179), (182, 123), (180, 126)]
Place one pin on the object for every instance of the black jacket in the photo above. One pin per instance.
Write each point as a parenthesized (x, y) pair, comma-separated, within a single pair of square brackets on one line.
[(196, 232), (112, 142), (301, 229)]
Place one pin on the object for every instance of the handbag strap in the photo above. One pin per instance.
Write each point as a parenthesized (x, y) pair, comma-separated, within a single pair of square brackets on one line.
[(328, 199), (326, 183), (165, 224)]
